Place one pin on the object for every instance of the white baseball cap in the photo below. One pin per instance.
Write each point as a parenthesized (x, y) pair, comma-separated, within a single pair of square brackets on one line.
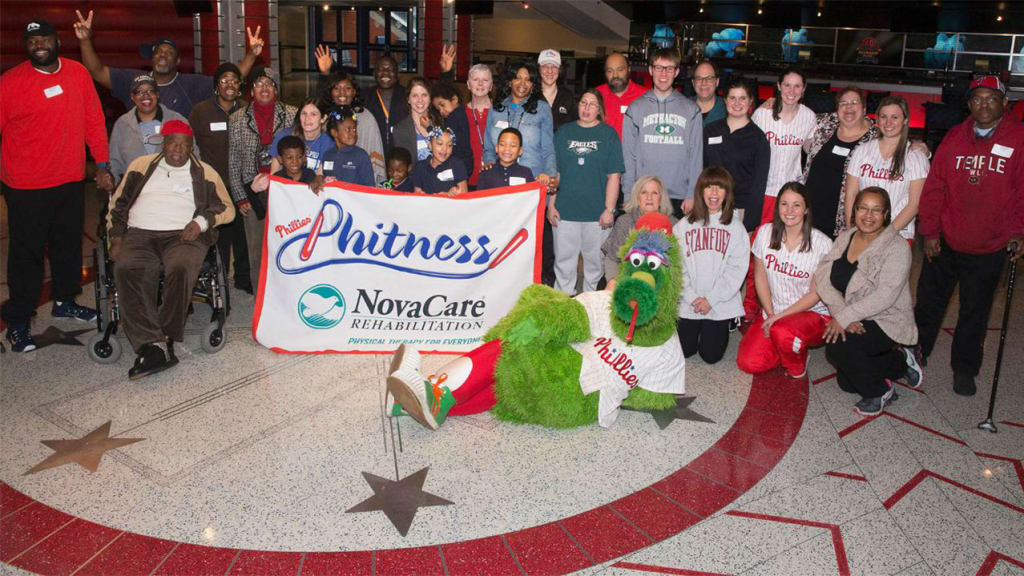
[(549, 56)]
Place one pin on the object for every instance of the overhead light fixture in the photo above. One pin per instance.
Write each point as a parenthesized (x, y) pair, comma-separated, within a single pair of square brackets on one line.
[(999, 18), (326, 7), (701, 10), (760, 11), (819, 13), (526, 5)]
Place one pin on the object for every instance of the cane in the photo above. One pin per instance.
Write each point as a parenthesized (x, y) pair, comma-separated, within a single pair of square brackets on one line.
[(988, 425)]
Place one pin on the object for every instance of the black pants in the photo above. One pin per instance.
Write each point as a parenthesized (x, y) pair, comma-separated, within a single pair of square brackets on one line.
[(232, 238), (709, 338), (677, 207), (547, 261), (864, 361), (978, 276), (49, 218)]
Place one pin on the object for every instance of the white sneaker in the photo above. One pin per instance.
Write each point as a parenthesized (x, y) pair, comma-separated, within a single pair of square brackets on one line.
[(914, 376), (408, 387), (405, 358)]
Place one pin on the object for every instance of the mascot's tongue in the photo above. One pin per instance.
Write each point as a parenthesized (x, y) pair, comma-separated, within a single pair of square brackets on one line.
[(632, 323)]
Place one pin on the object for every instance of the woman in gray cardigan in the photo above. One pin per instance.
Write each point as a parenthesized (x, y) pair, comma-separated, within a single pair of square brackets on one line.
[(865, 282)]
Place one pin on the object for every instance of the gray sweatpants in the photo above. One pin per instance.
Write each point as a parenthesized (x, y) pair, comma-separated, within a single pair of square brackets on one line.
[(570, 240)]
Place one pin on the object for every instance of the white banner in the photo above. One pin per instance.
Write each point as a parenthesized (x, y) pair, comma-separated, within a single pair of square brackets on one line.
[(363, 270)]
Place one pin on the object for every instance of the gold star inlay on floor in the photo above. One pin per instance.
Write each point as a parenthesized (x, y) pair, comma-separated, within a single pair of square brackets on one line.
[(86, 451)]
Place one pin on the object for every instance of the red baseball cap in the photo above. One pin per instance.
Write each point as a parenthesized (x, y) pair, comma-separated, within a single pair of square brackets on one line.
[(654, 221), (175, 127), (990, 82)]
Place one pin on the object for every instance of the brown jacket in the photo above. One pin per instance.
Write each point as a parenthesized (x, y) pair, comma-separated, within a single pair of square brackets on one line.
[(879, 289), (211, 197)]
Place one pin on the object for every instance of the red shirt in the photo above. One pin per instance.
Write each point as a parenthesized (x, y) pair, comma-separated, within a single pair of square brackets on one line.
[(974, 194), (46, 119), (615, 106), (477, 129)]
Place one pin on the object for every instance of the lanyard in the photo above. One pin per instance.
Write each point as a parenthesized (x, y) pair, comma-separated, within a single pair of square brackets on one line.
[(387, 115), (477, 124)]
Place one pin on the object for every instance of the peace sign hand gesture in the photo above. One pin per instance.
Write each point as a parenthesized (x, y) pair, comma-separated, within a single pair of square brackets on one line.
[(255, 41), (83, 28)]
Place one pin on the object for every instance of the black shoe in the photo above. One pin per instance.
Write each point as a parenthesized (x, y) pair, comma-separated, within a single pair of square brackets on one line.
[(963, 384), (151, 360), (734, 324)]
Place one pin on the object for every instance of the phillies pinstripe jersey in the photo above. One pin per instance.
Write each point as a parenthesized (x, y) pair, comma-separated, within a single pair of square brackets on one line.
[(790, 273), (786, 141)]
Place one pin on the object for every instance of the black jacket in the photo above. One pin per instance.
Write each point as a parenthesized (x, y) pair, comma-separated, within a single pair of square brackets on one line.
[(398, 110), (746, 154)]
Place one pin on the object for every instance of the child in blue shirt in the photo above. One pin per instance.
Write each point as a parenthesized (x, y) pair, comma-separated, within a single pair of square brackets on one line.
[(346, 162), (399, 161), (440, 173), (507, 171)]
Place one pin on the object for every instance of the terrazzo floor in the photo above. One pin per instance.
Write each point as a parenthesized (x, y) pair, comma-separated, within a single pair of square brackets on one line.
[(251, 459)]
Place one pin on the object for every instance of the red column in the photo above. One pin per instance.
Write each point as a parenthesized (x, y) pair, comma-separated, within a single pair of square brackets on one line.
[(464, 46), (209, 40), (257, 13), (433, 39)]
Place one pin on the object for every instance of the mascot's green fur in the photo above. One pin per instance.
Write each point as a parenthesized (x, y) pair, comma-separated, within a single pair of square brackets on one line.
[(537, 374)]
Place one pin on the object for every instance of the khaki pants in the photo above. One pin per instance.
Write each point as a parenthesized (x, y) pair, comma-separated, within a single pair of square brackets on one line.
[(254, 242), (137, 275)]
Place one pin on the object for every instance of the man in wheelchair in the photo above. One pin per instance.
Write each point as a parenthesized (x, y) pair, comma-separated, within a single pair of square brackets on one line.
[(164, 213)]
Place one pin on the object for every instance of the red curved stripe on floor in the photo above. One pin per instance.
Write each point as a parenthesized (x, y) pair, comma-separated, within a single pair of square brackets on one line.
[(36, 537), (664, 569), (837, 536)]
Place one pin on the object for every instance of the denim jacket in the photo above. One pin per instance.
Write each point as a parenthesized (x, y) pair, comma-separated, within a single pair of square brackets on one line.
[(538, 135)]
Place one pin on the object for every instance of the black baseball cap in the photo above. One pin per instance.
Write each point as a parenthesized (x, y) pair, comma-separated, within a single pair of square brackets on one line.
[(38, 28), (147, 50)]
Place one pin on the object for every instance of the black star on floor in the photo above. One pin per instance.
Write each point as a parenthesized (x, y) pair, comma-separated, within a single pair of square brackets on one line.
[(681, 411), (398, 499), (53, 335)]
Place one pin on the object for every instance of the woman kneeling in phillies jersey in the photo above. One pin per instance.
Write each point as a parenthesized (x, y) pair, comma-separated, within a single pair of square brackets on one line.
[(786, 253), (865, 281)]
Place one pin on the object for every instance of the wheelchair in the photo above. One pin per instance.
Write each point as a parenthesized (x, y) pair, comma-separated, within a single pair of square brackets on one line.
[(211, 289)]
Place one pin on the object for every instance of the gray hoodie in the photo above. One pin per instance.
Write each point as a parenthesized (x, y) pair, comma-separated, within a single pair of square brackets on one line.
[(663, 138)]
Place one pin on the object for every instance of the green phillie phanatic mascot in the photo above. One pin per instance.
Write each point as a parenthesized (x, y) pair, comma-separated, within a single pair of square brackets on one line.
[(563, 362)]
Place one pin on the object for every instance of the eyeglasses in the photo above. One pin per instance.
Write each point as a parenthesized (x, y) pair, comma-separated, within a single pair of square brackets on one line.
[(662, 69), (978, 100), (703, 79), (877, 211), (589, 104), (143, 92), (849, 103), (265, 83), (228, 80)]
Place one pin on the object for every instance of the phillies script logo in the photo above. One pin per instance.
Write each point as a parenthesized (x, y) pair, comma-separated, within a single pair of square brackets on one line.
[(783, 139), (337, 238), (617, 361)]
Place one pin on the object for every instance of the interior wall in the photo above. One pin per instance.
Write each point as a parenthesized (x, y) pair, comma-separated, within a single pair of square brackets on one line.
[(531, 35)]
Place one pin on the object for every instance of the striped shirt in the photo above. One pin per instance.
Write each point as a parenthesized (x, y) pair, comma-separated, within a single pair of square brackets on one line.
[(790, 273), (871, 169), (786, 141)]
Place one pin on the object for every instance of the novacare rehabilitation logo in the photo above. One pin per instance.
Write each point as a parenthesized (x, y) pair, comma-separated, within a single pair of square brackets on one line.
[(321, 307)]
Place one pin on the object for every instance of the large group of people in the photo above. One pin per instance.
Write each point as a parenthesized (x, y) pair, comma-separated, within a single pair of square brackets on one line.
[(795, 227)]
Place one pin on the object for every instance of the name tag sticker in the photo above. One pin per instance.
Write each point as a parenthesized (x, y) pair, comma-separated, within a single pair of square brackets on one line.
[(183, 189), (218, 126), (446, 176), (501, 124), (328, 165), (421, 144), (1000, 150), (516, 180), (311, 163), (156, 129), (840, 151), (715, 140), (622, 109), (52, 91)]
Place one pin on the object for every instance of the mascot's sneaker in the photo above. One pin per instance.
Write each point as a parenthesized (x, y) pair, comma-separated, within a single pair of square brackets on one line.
[(408, 388), (392, 409), (406, 358)]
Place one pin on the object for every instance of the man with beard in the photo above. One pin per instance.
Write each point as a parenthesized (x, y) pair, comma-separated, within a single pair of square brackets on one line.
[(386, 100), (179, 92), (163, 216), (209, 121), (619, 92), (51, 107)]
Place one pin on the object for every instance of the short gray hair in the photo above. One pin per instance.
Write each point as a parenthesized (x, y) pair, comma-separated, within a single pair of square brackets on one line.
[(480, 68)]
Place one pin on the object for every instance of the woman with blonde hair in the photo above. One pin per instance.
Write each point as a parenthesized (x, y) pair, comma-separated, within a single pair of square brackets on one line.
[(648, 195)]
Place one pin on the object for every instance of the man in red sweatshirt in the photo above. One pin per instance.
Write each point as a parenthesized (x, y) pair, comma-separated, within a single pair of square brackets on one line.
[(972, 210), (48, 110)]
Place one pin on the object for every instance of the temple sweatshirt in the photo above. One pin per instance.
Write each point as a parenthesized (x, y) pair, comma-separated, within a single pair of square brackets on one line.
[(974, 194), (663, 138)]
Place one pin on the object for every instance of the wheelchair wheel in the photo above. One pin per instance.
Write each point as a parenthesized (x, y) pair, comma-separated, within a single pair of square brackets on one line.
[(213, 339), (104, 352)]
